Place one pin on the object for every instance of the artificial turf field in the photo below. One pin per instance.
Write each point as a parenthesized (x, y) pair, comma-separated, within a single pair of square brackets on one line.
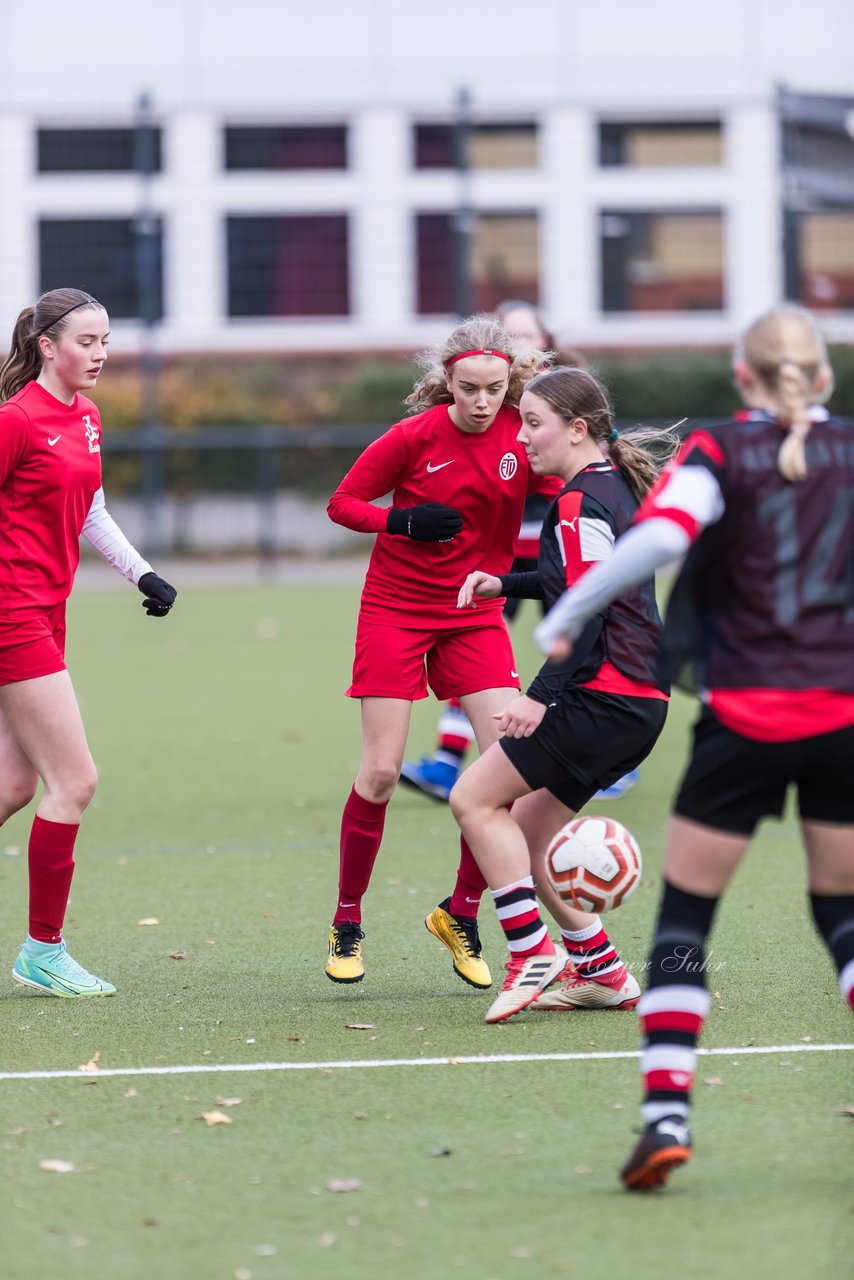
[(226, 750)]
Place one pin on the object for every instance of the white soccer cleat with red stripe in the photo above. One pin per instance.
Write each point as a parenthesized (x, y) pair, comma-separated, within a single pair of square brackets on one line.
[(526, 977), (582, 993)]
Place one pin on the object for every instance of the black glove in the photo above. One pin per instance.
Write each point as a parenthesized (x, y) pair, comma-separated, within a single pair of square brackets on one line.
[(431, 522), (160, 596)]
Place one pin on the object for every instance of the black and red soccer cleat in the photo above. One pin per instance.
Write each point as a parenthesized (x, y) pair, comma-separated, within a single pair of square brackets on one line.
[(663, 1146)]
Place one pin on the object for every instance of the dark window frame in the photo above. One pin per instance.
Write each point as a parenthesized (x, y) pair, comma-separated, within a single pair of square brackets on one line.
[(59, 146), (106, 263), (610, 283), (611, 143), (287, 273), (303, 148)]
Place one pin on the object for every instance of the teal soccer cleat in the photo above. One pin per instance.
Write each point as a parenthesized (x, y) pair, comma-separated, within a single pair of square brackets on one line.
[(51, 971)]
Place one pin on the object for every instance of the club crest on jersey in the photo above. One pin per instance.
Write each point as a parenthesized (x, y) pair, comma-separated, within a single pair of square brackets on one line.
[(508, 466), (93, 435)]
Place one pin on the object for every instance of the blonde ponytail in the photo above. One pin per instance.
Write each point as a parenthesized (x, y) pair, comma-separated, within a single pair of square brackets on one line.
[(793, 396)]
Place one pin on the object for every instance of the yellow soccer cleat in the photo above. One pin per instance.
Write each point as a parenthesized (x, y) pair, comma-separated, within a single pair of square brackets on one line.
[(463, 941), (344, 962)]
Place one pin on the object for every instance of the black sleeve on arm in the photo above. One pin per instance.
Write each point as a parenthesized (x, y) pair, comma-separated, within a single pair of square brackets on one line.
[(522, 586), (553, 675)]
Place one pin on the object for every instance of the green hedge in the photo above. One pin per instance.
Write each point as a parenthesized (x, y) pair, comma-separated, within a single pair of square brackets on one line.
[(343, 389)]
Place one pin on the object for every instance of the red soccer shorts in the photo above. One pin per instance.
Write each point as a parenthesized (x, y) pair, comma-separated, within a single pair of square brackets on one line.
[(400, 662), (32, 644)]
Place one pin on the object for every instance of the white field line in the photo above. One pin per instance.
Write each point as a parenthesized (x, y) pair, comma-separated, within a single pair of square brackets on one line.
[(209, 1068)]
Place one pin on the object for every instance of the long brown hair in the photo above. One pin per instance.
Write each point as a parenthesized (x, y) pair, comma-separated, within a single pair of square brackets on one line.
[(575, 393), (48, 316), (477, 333), (787, 353)]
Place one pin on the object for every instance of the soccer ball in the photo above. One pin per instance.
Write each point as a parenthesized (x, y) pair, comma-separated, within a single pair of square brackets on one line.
[(593, 864)]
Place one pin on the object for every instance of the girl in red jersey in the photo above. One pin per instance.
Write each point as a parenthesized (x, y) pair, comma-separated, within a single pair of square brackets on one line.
[(459, 480), (580, 726), (435, 775), (50, 493), (764, 609)]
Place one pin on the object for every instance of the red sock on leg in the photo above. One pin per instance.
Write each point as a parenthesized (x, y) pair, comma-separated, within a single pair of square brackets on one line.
[(594, 956), (51, 866), (470, 885), (361, 835)]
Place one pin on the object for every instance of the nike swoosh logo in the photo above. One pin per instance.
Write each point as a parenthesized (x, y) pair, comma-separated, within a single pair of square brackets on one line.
[(54, 440), (515, 673), (439, 466)]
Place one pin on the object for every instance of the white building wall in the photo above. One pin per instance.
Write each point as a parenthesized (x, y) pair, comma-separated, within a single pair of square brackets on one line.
[(378, 66)]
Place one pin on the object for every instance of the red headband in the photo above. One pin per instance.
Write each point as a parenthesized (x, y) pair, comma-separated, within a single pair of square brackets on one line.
[(502, 355)]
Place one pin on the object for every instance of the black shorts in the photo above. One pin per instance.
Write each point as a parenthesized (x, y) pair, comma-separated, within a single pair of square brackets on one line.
[(732, 782), (586, 741)]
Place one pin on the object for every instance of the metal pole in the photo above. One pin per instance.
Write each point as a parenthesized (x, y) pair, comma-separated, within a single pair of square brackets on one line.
[(787, 118), (463, 216), (147, 289)]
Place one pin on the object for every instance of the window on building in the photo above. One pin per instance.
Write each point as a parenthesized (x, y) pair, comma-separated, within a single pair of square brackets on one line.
[(92, 150), (490, 146), (662, 261), (290, 265), (661, 144), (286, 147), (99, 255), (503, 261), (825, 252)]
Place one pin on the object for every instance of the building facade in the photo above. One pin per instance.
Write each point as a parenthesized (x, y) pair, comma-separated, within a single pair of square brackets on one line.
[(648, 190)]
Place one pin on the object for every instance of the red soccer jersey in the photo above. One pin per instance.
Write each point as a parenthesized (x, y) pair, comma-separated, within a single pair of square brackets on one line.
[(426, 458), (50, 470)]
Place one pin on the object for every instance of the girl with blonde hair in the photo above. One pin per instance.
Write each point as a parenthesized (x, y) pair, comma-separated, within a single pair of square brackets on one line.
[(761, 622), (459, 479)]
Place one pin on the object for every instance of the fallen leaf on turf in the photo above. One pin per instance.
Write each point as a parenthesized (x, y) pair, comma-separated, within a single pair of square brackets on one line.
[(228, 1102), (177, 955), (58, 1166), (149, 920), (713, 1080), (92, 1064), (16, 1133), (441, 1151), (806, 1039), (215, 1117), (328, 1238), (343, 1184), (129, 1093), (582, 1168), (520, 1251), (294, 1039), (359, 1026), (357, 1115), (242, 1273)]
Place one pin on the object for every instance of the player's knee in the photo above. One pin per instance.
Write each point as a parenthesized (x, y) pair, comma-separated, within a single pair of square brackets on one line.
[(378, 781), (461, 799), (16, 794), (79, 790)]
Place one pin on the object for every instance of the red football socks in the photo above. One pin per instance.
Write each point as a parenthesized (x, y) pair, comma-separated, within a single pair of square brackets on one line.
[(51, 865), (361, 835)]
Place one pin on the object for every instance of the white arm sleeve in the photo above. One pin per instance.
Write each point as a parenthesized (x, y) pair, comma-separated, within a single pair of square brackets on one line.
[(637, 554), (102, 532)]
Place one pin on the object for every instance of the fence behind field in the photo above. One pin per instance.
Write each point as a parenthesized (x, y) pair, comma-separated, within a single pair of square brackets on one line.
[(220, 491)]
